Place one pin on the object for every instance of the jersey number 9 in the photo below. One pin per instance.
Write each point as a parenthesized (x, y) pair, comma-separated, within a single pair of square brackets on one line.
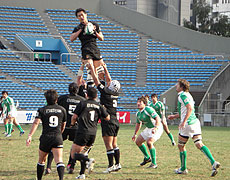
[(53, 121)]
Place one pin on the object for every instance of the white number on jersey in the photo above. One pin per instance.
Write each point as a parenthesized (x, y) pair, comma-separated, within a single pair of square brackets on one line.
[(71, 109), (53, 121), (114, 103), (92, 114)]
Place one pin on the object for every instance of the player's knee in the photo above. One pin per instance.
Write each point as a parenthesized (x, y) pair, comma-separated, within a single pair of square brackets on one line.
[(198, 142), (150, 145), (100, 70), (181, 143)]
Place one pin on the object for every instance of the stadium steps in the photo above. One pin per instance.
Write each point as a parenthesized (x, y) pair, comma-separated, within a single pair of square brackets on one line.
[(7, 43), (68, 72), (207, 83), (49, 24), (142, 62)]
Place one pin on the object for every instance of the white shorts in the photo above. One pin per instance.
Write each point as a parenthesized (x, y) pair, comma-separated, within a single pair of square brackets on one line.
[(13, 113), (147, 133), (191, 130)]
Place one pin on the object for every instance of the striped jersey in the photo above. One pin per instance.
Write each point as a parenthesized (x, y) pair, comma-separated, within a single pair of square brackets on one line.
[(8, 105), (147, 116), (158, 107), (185, 98)]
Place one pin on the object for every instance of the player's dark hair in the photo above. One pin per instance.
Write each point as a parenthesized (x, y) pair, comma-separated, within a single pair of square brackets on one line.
[(73, 88), (3, 92), (143, 99), (153, 95), (79, 10), (51, 96), (184, 84), (92, 93), (147, 96)]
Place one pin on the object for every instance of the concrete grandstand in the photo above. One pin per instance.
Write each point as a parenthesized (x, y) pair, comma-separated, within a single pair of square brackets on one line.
[(144, 53)]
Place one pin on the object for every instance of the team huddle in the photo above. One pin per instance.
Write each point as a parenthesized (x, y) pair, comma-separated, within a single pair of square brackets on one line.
[(74, 116)]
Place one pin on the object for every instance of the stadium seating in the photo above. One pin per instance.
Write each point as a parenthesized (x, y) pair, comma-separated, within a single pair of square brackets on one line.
[(27, 97), (117, 40), (20, 20), (120, 51)]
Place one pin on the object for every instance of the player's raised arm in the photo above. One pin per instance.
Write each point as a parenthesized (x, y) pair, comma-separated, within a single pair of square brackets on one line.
[(80, 75), (107, 75), (77, 30), (32, 131)]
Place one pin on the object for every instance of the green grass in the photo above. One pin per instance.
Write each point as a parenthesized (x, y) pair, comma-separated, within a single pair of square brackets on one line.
[(19, 162)]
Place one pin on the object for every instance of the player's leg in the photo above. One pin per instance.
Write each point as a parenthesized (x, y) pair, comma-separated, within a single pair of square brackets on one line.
[(116, 154), (49, 162), (99, 68), (116, 149), (80, 141), (58, 154), (41, 164), (152, 151), (77, 155), (140, 143), (182, 140), (16, 123), (89, 79), (108, 141), (166, 129), (6, 125), (10, 126), (197, 139), (70, 133)]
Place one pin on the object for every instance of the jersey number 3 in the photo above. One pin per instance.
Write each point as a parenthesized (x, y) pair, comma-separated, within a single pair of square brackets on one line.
[(53, 121)]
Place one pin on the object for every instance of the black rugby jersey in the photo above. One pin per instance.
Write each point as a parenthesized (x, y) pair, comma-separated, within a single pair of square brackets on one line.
[(109, 99), (89, 112), (88, 42), (69, 102), (52, 117), (82, 91)]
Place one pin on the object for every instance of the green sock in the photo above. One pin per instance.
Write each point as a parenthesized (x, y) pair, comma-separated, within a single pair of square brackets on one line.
[(153, 155), (170, 137), (207, 152), (6, 128), (183, 159), (19, 128), (144, 151), (10, 127)]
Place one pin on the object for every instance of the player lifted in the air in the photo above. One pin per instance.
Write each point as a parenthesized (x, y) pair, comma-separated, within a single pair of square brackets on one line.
[(88, 32)]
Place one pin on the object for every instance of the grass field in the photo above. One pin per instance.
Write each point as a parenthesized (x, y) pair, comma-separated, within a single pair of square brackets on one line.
[(19, 162)]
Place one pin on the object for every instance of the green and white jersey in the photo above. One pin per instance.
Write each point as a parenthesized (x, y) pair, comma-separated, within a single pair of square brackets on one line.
[(185, 98), (147, 116), (148, 102), (158, 107), (8, 105)]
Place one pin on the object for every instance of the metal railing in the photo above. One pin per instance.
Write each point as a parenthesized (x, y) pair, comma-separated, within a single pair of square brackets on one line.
[(34, 55), (68, 57)]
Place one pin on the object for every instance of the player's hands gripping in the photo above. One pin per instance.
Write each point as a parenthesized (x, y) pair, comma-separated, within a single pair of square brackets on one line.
[(81, 26)]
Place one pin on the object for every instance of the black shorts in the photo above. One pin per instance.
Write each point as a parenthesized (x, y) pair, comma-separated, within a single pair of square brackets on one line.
[(69, 133), (110, 129), (94, 55), (84, 139), (47, 142)]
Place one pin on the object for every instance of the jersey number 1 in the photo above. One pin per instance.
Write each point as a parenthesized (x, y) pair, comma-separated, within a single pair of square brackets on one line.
[(92, 115)]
